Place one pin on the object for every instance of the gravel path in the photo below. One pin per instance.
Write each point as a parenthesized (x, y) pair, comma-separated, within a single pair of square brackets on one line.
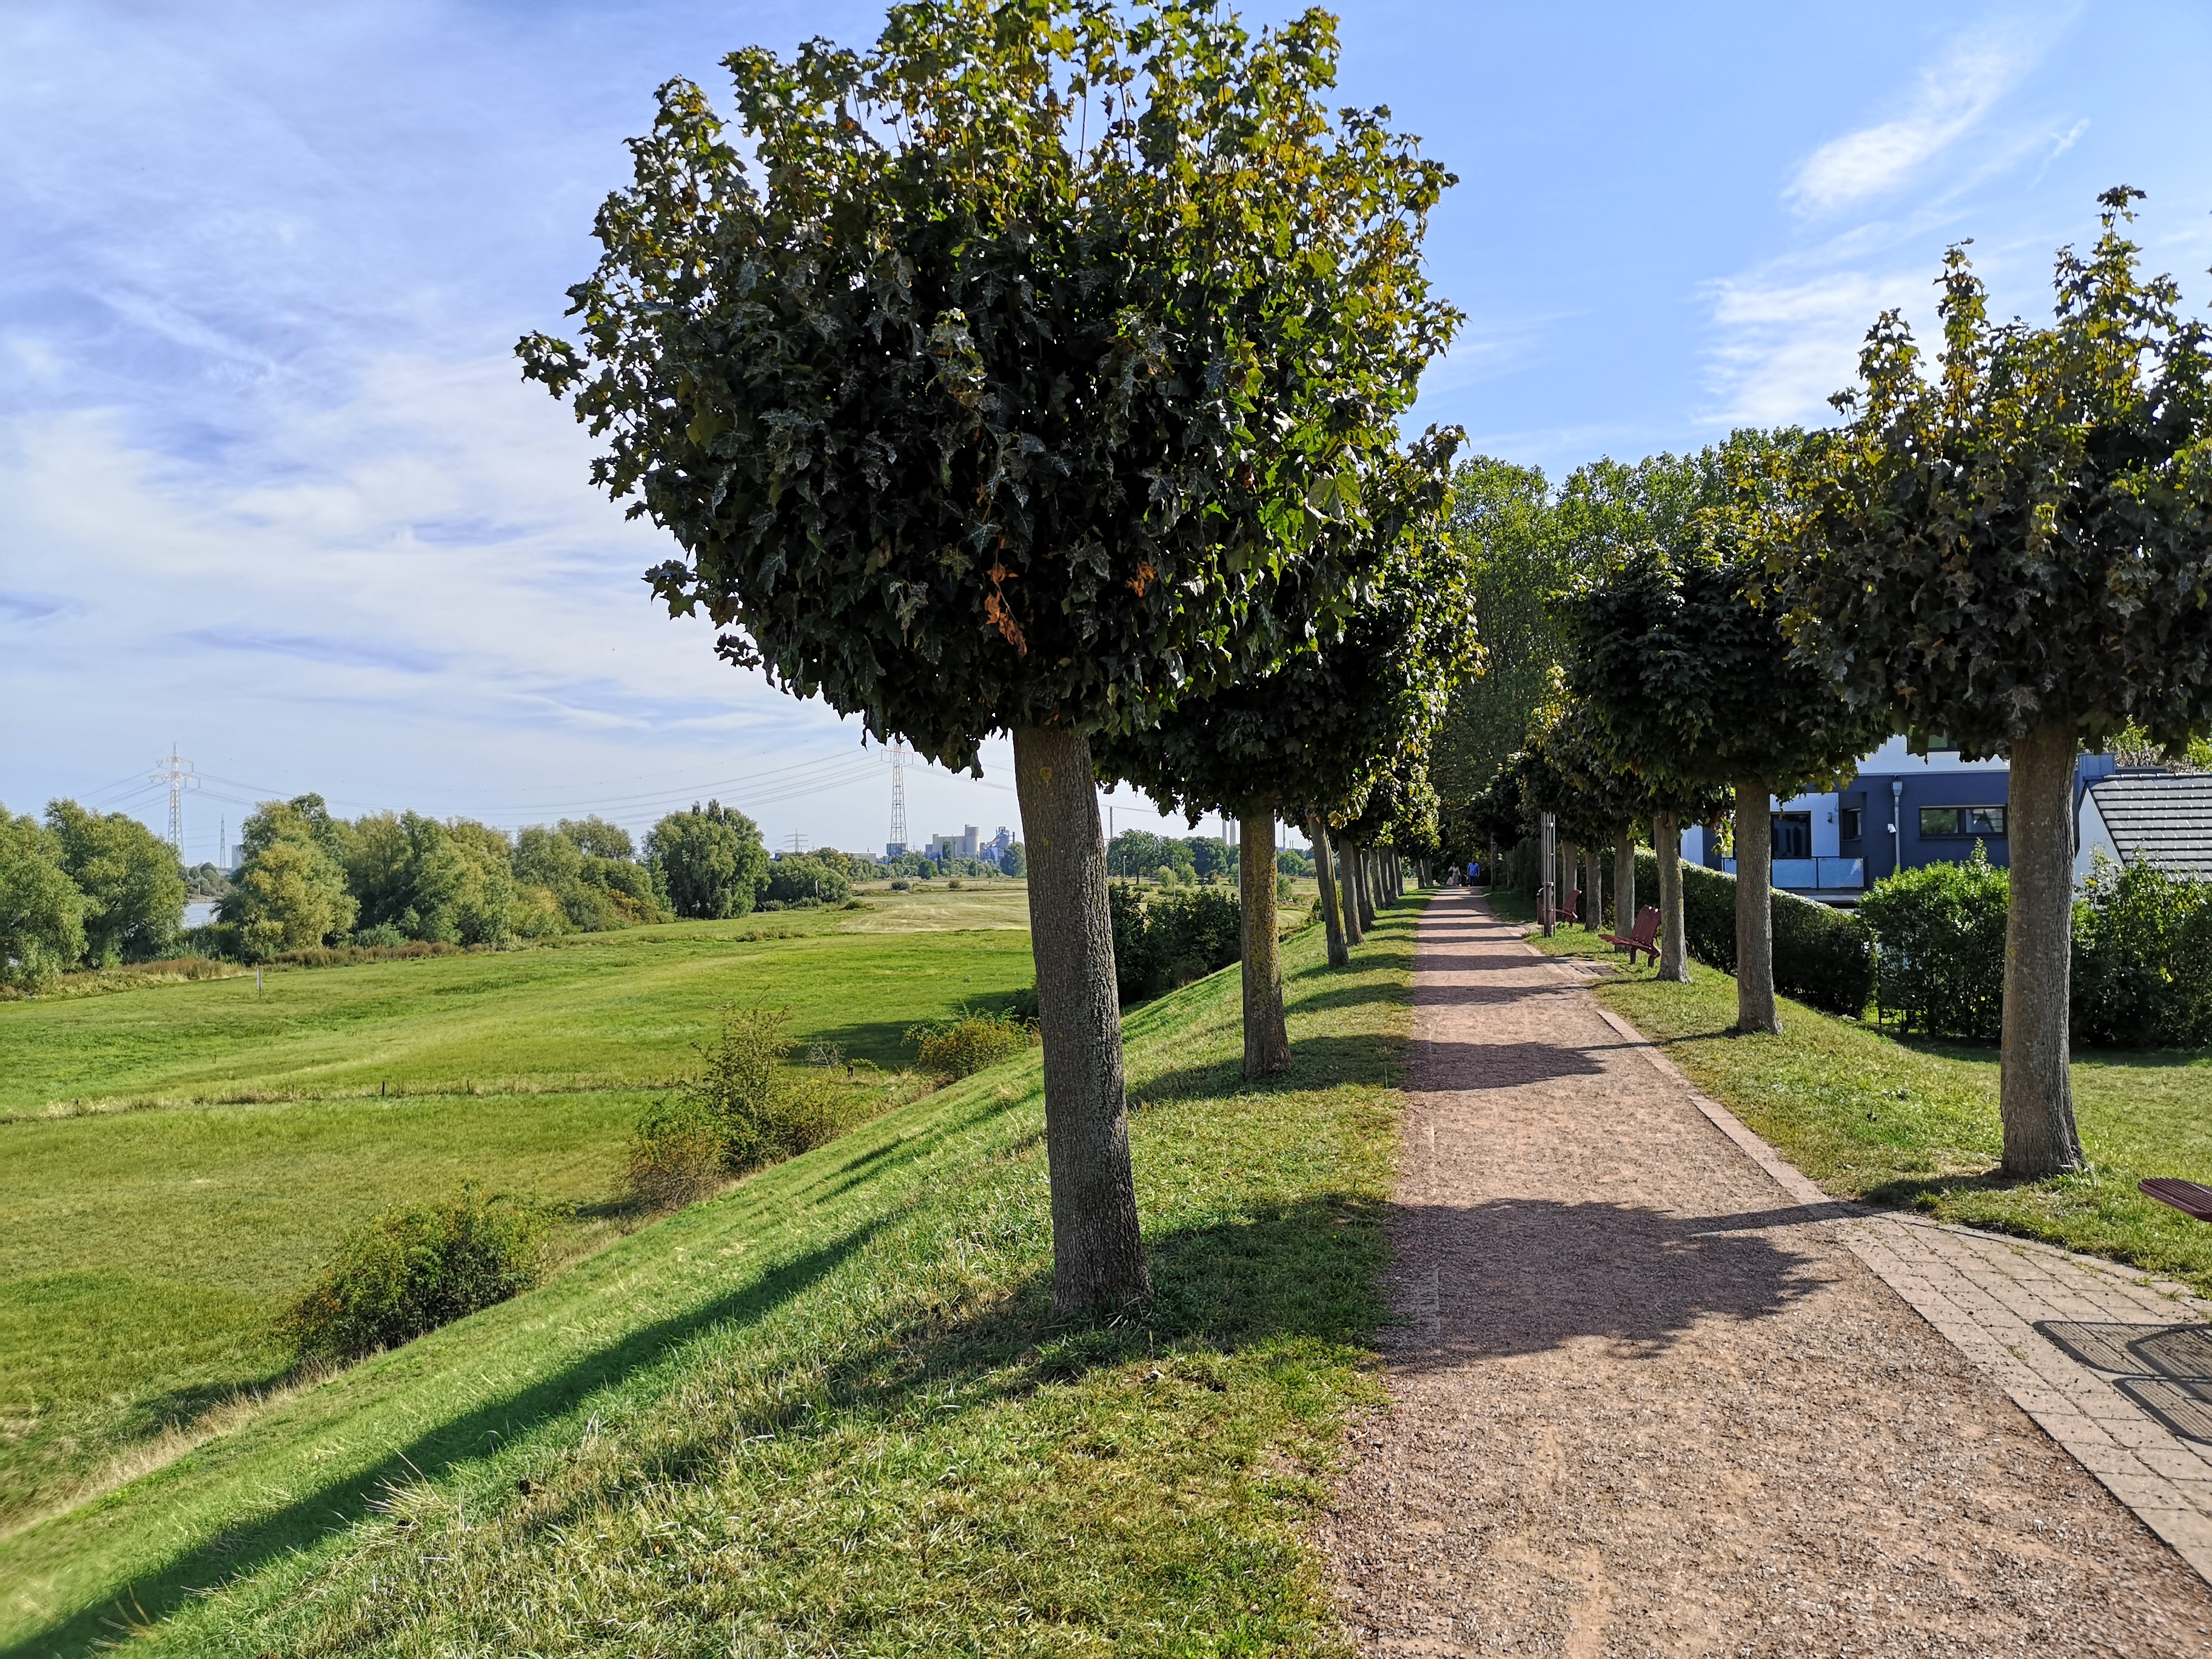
[(1645, 1403)]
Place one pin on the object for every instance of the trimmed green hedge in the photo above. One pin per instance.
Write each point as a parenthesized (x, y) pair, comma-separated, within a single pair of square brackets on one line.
[(1822, 956)]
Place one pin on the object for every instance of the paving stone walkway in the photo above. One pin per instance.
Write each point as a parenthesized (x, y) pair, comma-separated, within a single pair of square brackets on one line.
[(1653, 1392)]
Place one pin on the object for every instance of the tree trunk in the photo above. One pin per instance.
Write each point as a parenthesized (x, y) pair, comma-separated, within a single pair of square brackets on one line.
[(1097, 1253), (2036, 1091), (1570, 878), (1594, 918), (1674, 948), (1267, 1039), (1347, 866), (1623, 885), (1755, 908), (1364, 887), (1331, 916)]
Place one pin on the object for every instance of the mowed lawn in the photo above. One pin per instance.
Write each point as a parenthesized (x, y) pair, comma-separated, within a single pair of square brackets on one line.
[(595, 1010), (145, 1254), (832, 1412), (1914, 1123)]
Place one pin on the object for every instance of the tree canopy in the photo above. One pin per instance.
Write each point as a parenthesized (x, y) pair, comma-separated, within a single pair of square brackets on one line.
[(1014, 396), (41, 911), (133, 886), (712, 861)]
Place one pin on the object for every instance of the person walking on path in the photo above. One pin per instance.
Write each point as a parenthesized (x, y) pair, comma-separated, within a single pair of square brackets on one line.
[(1643, 1401)]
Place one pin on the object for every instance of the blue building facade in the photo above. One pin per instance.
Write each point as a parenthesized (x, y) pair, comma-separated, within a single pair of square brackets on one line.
[(1898, 812)]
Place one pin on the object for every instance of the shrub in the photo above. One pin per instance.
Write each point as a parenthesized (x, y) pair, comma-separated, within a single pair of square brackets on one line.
[(382, 937), (2142, 957), (960, 1047), (676, 1156), (902, 885), (800, 876), (1942, 929), (761, 1113), (1178, 937), (411, 1270), (1822, 956)]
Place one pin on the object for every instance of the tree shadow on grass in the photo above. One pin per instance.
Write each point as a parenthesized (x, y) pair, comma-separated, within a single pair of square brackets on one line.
[(312, 1514)]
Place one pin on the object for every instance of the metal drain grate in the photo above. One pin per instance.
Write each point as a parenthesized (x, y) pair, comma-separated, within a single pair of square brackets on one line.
[(2165, 1369)]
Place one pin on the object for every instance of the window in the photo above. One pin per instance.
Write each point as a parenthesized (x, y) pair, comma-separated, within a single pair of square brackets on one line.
[(1793, 835), (1847, 826), (1937, 820)]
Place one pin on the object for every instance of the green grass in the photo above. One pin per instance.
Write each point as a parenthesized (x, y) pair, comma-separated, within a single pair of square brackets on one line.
[(1914, 1123), (144, 1254), (831, 1411), (594, 1009)]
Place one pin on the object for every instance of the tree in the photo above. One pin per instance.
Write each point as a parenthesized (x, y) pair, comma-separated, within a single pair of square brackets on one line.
[(1502, 515), (290, 892), (1016, 862), (1009, 400), (133, 887), (41, 911), (1323, 728), (2017, 553), (1678, 653), (596, 836), (712, 861)]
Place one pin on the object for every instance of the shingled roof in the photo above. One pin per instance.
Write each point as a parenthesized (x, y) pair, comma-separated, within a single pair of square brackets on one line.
[(2160, 818)]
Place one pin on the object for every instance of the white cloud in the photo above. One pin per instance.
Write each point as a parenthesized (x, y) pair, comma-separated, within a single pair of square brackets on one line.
[(1786, 348), (1952, 97)]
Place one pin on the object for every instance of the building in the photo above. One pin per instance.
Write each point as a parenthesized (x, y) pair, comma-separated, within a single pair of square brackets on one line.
[(2143, 815), (1898, 812), (962, 846)]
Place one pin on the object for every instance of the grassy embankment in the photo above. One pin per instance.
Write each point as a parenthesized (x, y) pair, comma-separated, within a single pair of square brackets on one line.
[(145, 1252), (1914, 1122), (831, 1411)]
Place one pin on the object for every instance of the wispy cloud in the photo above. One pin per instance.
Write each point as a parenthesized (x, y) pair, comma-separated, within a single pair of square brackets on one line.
[(1785, 347), (1952, 97)]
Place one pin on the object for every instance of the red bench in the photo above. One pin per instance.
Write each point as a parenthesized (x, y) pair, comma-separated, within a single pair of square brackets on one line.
[(2188, 1197), (1641, 937)]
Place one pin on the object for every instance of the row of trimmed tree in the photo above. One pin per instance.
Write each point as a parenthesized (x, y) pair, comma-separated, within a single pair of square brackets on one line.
[(1039, 369), (2013, 551)]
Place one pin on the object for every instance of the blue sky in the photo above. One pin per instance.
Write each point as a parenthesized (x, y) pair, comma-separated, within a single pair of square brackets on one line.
[(272, 489)]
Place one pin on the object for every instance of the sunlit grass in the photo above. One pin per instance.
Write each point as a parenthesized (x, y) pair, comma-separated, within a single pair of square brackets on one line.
[(144, 1254), (831, 1413)]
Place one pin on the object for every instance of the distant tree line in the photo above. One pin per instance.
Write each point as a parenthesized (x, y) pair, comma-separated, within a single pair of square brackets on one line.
[(89, 889)]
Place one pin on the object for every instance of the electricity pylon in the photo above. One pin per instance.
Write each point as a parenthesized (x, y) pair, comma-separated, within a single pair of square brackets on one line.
[(898, 794), (176, 773)]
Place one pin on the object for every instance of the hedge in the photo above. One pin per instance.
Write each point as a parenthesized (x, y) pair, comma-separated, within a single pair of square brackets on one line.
[(2142, 955), (1822, 956)]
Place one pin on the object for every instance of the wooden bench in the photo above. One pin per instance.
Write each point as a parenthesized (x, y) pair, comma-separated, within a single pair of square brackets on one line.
[(2190, 1197), (1641, 937)]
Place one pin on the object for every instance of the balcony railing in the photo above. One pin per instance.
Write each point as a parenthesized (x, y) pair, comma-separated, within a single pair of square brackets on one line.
[(1822, 875)]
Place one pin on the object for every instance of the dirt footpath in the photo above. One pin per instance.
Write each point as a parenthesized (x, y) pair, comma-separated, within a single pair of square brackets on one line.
[(1644, 1403)]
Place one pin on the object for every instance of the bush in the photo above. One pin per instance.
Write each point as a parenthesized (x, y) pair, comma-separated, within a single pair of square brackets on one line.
[(382, 937), (902, 885), (799, 877), (761, 1113), (2142, 957), (1822, 956), (676, 1157), (411, 1270), (958, 1047), (1181, 937), (1942, 930)]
